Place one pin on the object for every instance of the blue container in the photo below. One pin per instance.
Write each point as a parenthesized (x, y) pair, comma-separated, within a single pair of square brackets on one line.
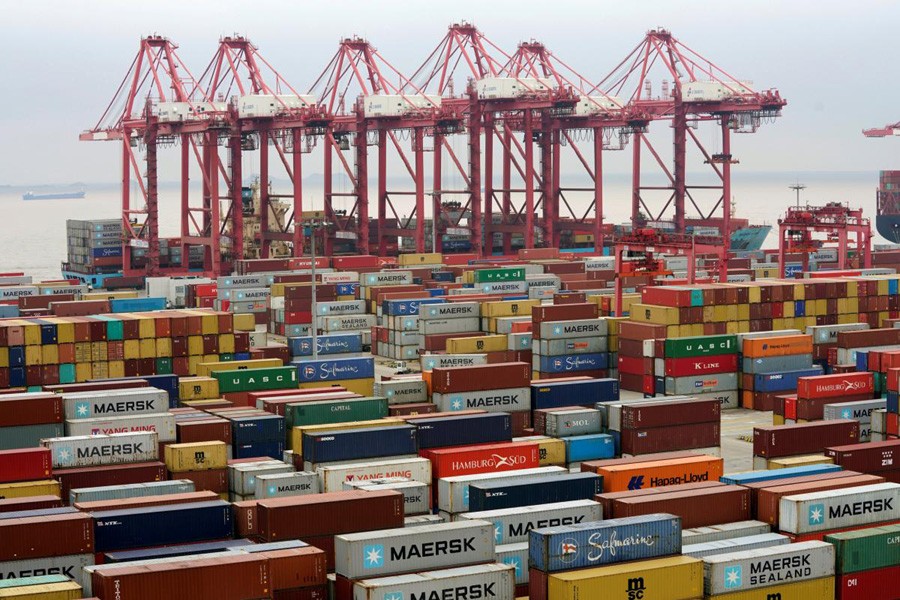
[(757, 476), (485, 428), (48, 334), (534, 490), (573, 393), (120, 305), (589, 447), (782, 380), (352, 444), (112, 252), (659, 386), (336, 369), (862, 360), (893, 402), (8, 311), (250, 430), (16, 356), (341, 343), (347, 289), (161, 525), (799, 308), (174, 551), (242, 356), (397, 308), (40, 512), (17, 377), (893, 287), (272, 449), (443, 276), (574, 362), (436, 292), (597, 543)]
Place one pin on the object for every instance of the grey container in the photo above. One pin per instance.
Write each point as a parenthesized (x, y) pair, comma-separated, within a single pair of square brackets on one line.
[(827, 334), (99, 450), (413, 549), (453, 492), (487, 582), (857, 411), (700, 535), (423, 520), (162, 424), (738, 544), (879, 421), (131, 490), (696, 384), (568, 423), (402, 391), (451, 310), (444, 361), (243, 476), (557, 330), (71, 566), (115, 403), (437, 326), (569, 346), (501, 400), (28, 436), (416, 495), (727, 399), (740, 571), (513, 524), (836, 509), (279, 485), (516, 556), (774, 364)]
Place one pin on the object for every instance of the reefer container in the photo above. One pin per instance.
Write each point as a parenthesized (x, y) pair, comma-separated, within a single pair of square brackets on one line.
[(413, 549), (805, 438), (534, 490), (114, 403), (162, 424), (675, 578), (836, 509), (702, 535), (134, 490), (479, 581), (97, 450), (566, 423), (161, 525), (467, 460), (403, 391), (277, 485), (70, 565), (453, 492), (514, 524), (516, 556), (738, 544), (416, 495), (752, 569), (356, 444), (768, 500), (492, 400), (866, 549), (332, 477), (463, 430)]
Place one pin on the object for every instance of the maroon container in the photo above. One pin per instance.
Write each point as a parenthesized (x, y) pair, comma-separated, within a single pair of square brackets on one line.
[(296, 568), (634, 330), (214, 480), (203, 430), (868, 337), (38, 302), (813, 409), (49, 535), (768, 499), (145, 472), (608, 500), (564, 312), (592, 466), (803, 438), (246, 518), (301, 517), (30, 409), (756, 486), (471, 379), (537, 584), (869, 457), (697, 508), (92, 386), (669, 439), (29, 503), (81, 308), (24, 464), (664, 413), (415, 408)]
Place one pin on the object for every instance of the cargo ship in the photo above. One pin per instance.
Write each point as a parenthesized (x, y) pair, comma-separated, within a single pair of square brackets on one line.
[(887, 219), (56, 196)]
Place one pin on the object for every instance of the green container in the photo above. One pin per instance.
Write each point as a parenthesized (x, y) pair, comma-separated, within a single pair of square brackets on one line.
[(696, 297), (163, 366), (706, 345), (227, 357), (866, 549), (253, 380), (493, 275), (326, 412), (67, 373), (115, 330)]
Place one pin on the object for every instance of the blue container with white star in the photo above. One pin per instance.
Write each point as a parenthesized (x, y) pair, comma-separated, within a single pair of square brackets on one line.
[(553, 394), (568, 547), (528, 491), (162, 525)]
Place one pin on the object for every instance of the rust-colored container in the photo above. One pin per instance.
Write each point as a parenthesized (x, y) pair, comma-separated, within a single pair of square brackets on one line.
[(697, 508), (29, 503), (246, 518), (664, 414), (416, 408), (668, 439), (30, 409), (759, 485), (49, 535), (564, 312), (203, 430), (769, 499), (474, 378), (592, 466), (214, 480), (608, 499), (109, 475), (803, 438), (144, 501), (296, 568), (634, 330), (870, 457), (813, 409)]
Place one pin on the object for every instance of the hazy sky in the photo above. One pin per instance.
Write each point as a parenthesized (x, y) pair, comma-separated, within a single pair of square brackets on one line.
[(833, 61)]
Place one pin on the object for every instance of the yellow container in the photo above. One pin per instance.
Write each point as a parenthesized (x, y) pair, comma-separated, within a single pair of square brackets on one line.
[(32, 335), (363, 387), (131, 348), (226, 343), (613, 323), (198, 388), (477, 345), (509, 308), (65, 331), (613, 343), (50, 354), (552, 451), (813, 589), (676, 578), (246, 321), (33, 355), (777, 419), (68, 590), (198, 456), (204, 369), (295, 439), (163, 347), (148, 348), (146, 327), (798, 461), (193, 362), (82, 372), (650, 313), (195, 345), (99, 351), (109, 295), (276, 289), (4, 357), (100, 370), (24, 489), (116, 368), (410, 260)]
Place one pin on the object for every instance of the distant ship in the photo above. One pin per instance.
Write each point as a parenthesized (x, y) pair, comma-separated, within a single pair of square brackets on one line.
[(58, 196), (887, 219)]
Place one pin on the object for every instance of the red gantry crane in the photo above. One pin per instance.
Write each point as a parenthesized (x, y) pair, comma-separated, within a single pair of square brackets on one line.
[(842, 225)]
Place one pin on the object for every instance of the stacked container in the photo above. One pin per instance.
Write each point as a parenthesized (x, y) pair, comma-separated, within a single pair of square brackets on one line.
[(569, 339), (204, 463), (710, 360)]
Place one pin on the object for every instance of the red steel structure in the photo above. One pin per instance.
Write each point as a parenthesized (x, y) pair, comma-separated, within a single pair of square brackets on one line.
[(796, 231)]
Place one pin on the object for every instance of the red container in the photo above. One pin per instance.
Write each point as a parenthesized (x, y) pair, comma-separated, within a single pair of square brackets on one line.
[(415, 408), (803, 438), (669, 439), (483, 458), (24, 464), (634, 330), (29, 503), (30, 409), (836, 386), (697, 508), (109, 475), (564, 312), (867, 585), (869, 457), (665, 414), (296, 568), (684, 367), (635, 366), (470, 379), (49, 535), (768, 499)]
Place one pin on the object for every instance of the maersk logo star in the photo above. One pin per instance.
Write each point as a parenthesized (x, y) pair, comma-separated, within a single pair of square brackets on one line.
[(733, 577), (846, 414), (557, 330), (456, 404), (498, 532), (515, 562), (82, 409), (272, 490), (393, 596), (816, 514), (64, 455), (373, 556)]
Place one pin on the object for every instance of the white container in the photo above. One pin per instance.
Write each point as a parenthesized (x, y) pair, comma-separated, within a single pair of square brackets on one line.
[(341, 307), (115, 403), (14, 292), (515, 556), (163, 425), (502, 400), (97, 450), (452, 310), (485, 582), (267, 105), (427, 327), (348, 323), (446, 361), (738, 544), (826, 334), (700, 535), (508, 88), (416, 495), (332, 477), (340, 277), (279, 485), (422, 520), (514, 524), (396, 105), (503, 287), (402, 391), (836, 509), (453, 492), (413, 549), (740, 571), (387, 278), (557, 330), (242, 477), (71, 566)]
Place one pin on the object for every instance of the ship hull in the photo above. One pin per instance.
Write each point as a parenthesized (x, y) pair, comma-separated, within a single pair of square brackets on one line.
[(63, 196), (888, 227)]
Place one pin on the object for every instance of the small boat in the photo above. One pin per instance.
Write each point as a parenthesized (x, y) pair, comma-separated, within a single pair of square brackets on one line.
[(57, 196)]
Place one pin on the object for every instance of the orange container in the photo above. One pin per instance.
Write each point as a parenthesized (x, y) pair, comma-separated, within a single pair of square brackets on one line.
[(660, 473), (778, 346)]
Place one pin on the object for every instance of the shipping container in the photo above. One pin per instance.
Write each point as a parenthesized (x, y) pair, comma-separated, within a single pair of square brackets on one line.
[(587, 392), (761, 476), (463, 460), (661, 473), (817, 589), (98, 450), (277, 485), (866, 585), (514, 524), (135, 490), (675, 578), (566, 423), (437, 432), (332, 477), (533, 490), (256, 379), (198, 456), (835, 509), (316, 412), (162, 424), (471, 379), (866, 549), (806, 438), (696, 507), (737, 544), (25, 464), (589, 447), (70, 566), (356, 444), (871, 457), (492, 400), (242, 477), (713, 533), (51, 535), (768, 499), (453, 492), (480, 581), (68, 590), (115, 402), (724, 573), (161, 525), (416, 495)]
